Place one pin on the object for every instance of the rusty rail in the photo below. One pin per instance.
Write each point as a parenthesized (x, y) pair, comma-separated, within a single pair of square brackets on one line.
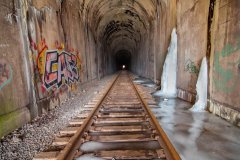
[(69, 151), (164, 141)]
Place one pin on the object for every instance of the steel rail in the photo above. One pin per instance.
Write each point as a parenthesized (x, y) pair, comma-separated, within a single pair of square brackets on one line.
[(69, 151), (164, 141)]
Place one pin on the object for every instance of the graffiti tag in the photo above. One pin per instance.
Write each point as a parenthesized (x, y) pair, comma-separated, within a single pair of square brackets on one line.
[(55, 68), (60, 68), (6, 74), (191, 67)]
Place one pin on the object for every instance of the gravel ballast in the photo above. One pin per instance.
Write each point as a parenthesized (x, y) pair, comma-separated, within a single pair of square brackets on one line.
[(36, 136)]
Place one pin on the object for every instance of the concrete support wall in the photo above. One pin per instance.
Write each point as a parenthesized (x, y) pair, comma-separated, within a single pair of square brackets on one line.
[(166, 21), (192, 25), (14, 73), (225, 61), (78, 36), (223, 39), (153, 48), (46, 52)]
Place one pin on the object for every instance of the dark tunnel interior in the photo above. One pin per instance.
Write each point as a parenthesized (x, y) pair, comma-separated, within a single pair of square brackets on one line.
[(123, 60)]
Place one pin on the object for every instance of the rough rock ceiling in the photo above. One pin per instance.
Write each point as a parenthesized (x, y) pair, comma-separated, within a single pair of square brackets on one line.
[(119, 24)]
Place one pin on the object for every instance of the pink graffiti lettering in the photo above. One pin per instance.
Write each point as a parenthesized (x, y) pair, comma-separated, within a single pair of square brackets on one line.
[(60, 68)]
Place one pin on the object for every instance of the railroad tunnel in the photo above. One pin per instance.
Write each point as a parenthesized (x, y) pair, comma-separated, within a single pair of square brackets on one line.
[(57, 54), (123, 31)]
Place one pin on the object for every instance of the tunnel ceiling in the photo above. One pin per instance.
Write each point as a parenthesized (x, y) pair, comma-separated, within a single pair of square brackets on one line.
[(119, 24)]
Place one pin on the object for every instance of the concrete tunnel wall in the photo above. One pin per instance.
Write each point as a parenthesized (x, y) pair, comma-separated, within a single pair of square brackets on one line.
[(80, 40)]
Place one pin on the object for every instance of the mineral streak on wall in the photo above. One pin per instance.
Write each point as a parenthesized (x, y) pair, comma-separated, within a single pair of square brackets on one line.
[(49, 47)]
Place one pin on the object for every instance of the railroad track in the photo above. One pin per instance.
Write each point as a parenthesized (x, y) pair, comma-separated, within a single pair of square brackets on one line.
[(118, 124)]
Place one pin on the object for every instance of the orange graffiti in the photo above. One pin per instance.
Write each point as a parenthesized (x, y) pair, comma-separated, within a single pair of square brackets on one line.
[(59, 46), (79, 65), (42, 48)]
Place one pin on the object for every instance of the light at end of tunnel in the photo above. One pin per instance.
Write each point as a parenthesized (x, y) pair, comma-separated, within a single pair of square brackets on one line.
[(123, 67)]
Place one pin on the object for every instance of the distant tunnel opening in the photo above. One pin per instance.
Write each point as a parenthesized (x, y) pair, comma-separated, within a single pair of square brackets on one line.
[(123, 60)]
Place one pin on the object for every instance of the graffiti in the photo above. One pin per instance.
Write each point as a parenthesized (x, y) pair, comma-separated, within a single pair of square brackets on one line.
[(6, 74), (57, 67), (38, 56), (226, 78), (42, 48), (60, 68), (191, 67)]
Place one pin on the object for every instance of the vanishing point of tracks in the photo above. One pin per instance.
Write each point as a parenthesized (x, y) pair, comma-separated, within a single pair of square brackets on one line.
[(118, 124)]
